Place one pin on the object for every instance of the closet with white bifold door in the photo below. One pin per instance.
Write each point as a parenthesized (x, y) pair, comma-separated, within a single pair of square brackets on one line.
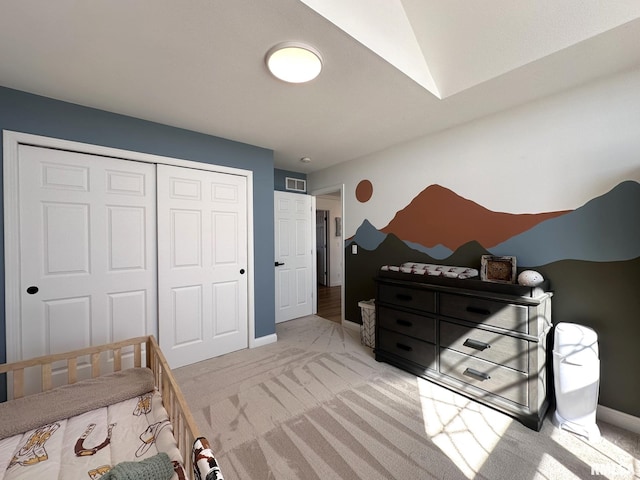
[(100, 248)]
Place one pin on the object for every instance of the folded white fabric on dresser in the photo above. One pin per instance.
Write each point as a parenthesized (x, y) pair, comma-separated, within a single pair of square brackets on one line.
[(433, 270)]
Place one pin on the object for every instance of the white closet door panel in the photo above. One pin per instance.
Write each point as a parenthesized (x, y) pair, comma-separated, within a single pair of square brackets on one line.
[(202, 262), (186, 238), (127, 238), (88, 243), (65, 316), (127, 312), (186, 315), (225, 308), (66, 238)]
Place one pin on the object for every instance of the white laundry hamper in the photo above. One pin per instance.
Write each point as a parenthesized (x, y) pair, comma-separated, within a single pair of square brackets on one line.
[(576, 367)]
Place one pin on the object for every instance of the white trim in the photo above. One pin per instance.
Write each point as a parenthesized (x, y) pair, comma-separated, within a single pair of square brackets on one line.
[(619, 419), (314, 258), (266, 340), (323, 191), (49, 142), (351, 325), (11, 141), (13, 332)]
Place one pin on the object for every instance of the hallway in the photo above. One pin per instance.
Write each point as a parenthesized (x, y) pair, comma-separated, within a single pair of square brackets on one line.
[(329, 303)]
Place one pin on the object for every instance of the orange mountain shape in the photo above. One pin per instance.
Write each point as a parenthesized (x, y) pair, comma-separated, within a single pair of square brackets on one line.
[(439, 216)]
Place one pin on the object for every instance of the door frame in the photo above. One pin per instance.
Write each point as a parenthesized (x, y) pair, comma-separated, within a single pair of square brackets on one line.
[(324, 191), (326, 266), (12, 140)]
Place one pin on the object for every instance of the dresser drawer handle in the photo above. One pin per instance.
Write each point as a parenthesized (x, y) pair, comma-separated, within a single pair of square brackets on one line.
[(404, 296), (404, 323), (470, 372), (404, 347), (480, 311), (478, 345)]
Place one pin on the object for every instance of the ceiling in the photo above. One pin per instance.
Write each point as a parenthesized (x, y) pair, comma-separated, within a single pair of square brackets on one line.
[(393, 70)]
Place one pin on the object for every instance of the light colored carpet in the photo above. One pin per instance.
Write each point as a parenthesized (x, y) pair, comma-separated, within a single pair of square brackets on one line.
[(316, 405)]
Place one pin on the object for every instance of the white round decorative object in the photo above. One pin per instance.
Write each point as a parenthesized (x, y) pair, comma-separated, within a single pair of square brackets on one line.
[(530, 278)]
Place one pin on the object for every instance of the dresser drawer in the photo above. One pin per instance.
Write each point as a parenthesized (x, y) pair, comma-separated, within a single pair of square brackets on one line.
[(488, 376), (417, 351), (417, 299), (494, 347), (490, 312), (417, 326)]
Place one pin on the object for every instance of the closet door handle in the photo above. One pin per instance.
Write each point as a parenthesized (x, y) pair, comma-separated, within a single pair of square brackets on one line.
[(470, 372), (480, 311), (279, 264), (404, 347), (478, 345)]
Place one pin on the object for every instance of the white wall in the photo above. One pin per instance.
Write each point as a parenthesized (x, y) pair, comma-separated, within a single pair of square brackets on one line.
[(552, 154), (335, 246)]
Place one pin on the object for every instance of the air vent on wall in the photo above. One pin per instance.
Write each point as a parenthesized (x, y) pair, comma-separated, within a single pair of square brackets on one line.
[(295, 184)]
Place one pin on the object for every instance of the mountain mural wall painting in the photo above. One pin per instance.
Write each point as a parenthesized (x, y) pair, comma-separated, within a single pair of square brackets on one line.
[(605, 229), (591, 256)]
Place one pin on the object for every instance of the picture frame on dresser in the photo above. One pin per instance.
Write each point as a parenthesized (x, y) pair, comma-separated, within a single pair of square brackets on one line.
[(498, 269)]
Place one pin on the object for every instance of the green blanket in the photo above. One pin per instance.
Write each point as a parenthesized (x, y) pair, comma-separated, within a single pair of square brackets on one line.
[(158, 467)]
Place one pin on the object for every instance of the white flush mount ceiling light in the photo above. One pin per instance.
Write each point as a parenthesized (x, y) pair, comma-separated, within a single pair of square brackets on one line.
[(294, 62)]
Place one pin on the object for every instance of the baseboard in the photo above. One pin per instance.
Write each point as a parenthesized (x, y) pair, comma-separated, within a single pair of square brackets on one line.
[(619, 419), (262, 341), (351, 325)]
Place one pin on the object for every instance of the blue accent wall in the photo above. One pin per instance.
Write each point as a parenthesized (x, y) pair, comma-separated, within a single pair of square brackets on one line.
[(23, 112)]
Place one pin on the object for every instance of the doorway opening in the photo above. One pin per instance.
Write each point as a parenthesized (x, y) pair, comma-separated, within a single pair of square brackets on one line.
[(329, 254)]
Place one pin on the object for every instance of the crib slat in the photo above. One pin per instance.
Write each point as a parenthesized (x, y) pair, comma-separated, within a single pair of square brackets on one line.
[(137, 355), (117, 360), (46, 377), (72, 370), (95, 365), (18, 383)]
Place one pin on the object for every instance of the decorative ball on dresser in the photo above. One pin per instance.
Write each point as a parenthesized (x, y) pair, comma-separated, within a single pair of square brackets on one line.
[(530, 278)]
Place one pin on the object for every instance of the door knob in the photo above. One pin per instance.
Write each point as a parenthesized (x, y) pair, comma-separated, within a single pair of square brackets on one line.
[(279, 264), (242, 271), (32, 289)]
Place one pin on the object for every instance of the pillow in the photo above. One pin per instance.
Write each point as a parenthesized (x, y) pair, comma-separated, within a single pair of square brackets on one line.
[(33, 411)]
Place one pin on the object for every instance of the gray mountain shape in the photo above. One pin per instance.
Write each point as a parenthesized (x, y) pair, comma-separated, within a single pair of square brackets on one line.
[(605, 229), (369, 237)]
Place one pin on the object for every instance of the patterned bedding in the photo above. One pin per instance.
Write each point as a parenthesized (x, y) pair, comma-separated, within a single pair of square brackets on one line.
[(434, 270), (88, 445)]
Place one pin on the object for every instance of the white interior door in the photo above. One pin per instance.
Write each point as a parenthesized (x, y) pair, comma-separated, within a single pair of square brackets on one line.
[(87, 251), (202, 262), (294, 275)]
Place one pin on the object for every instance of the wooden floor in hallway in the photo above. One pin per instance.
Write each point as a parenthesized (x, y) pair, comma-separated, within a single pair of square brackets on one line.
[(329, 303)]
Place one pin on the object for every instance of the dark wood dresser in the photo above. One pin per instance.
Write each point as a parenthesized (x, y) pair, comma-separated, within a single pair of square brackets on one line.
[(485, 341)]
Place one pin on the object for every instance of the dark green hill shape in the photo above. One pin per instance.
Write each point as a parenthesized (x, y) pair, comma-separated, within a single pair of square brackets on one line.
[(604, 296)]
